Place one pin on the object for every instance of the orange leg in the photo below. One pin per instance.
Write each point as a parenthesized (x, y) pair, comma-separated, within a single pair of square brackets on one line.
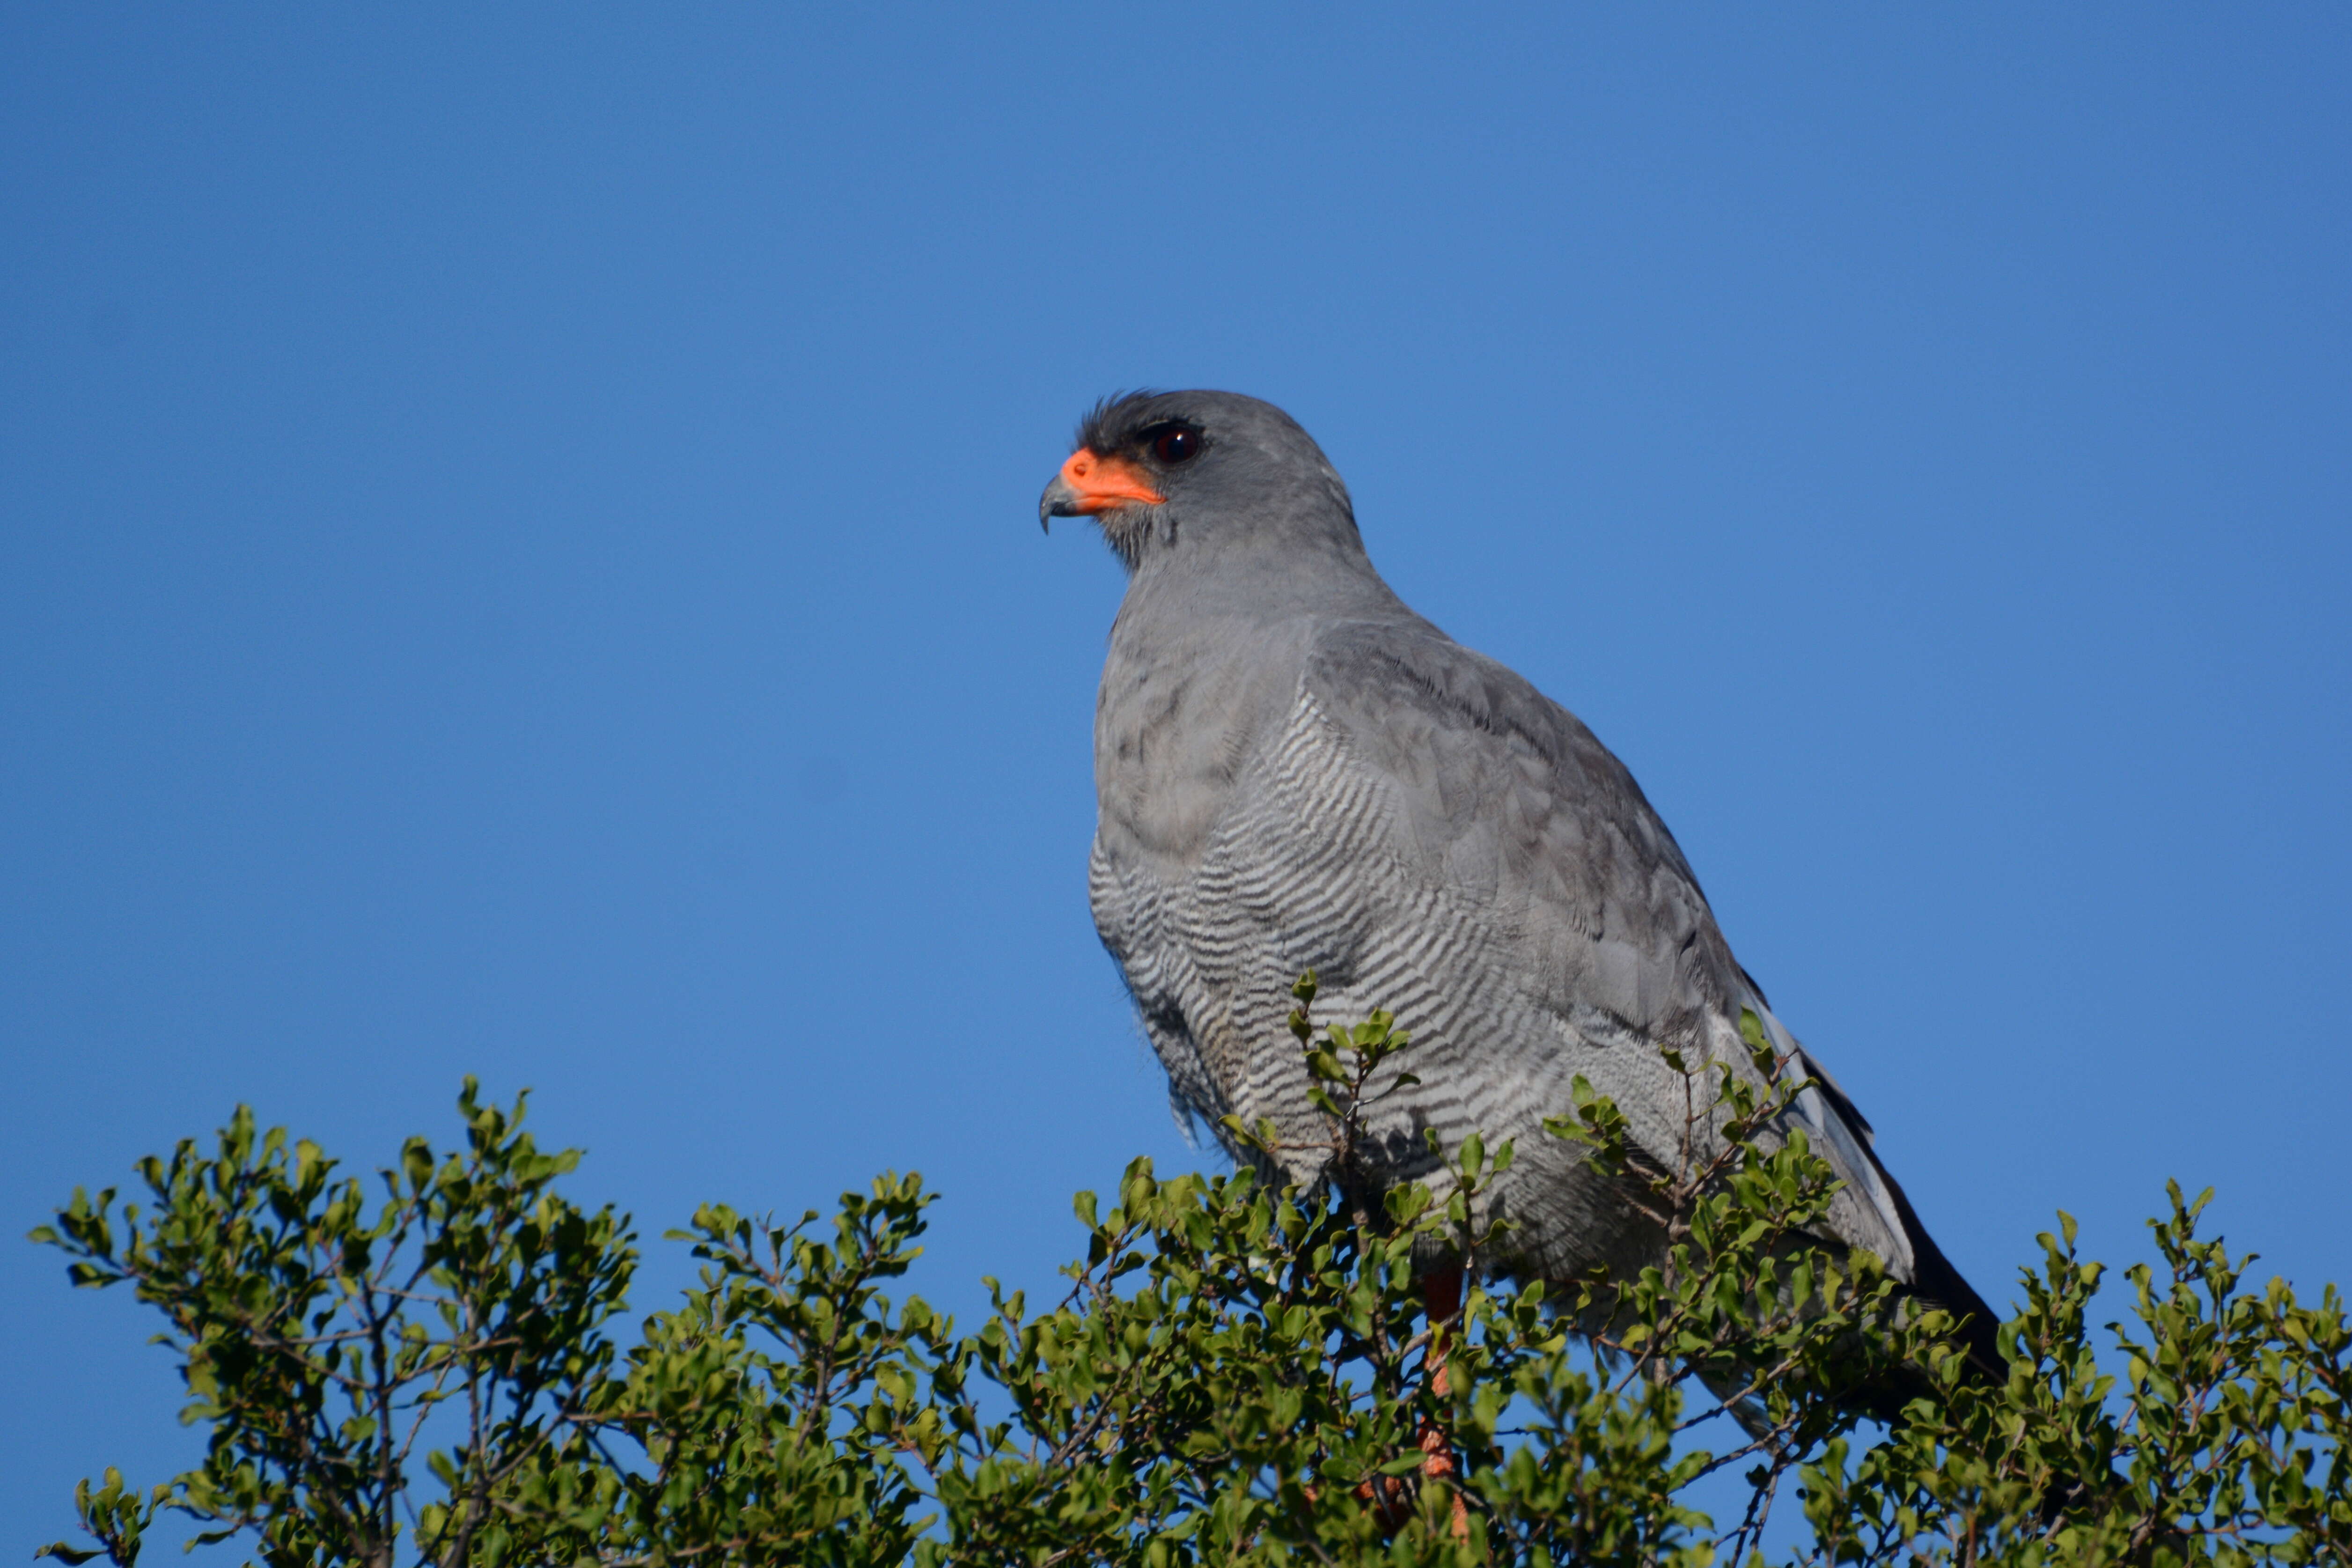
[(1442, 1293)]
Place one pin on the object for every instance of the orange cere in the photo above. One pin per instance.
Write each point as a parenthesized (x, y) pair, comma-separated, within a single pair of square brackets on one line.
[(1104, 483)]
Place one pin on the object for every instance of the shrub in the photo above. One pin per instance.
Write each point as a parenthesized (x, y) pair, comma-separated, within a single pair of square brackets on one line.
[(421, 1369)]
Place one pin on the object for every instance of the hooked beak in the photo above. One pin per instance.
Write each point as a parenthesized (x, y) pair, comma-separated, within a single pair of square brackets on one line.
[(1089, 484)]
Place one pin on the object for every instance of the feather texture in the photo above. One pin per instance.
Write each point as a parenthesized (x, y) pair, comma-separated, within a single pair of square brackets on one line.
[(1295, 772)]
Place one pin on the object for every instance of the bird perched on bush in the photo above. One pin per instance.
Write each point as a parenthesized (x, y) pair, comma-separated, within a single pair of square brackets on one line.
[(1295, 772)]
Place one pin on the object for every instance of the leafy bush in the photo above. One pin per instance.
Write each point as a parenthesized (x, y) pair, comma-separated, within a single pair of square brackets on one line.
[(1235, 1374)]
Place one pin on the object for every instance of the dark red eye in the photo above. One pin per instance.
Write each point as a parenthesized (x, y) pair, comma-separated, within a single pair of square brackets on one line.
[(1176, 444)]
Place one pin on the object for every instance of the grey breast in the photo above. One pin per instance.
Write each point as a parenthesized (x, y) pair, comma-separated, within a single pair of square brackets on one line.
[(1358, 795)]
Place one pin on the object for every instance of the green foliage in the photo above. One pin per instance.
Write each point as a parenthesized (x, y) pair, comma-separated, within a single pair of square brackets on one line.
[(320, 1337), (1234, 1374), (2226, 1443)]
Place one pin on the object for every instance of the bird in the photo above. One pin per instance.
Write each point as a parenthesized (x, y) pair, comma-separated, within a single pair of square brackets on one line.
[(1296, 773)]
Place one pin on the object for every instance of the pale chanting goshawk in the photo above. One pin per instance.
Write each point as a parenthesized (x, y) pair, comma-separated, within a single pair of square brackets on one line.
[(1295, 772)]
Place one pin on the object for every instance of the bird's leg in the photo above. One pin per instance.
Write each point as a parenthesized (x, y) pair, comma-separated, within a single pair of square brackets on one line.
[(1441, 1293)]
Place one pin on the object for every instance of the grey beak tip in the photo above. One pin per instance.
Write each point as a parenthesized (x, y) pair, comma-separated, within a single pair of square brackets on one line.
[(1059, 501)]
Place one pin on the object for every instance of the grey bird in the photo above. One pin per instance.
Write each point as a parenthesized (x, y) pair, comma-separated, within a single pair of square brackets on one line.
[(1295, 772)]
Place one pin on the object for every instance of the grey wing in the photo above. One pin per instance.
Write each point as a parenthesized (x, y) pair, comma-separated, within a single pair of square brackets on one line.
[(1515, 896)]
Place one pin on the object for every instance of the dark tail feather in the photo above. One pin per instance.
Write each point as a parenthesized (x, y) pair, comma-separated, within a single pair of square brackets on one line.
[(1938, 1284)]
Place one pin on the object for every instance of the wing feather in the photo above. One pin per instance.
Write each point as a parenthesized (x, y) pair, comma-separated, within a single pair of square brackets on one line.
[(1591, 919)]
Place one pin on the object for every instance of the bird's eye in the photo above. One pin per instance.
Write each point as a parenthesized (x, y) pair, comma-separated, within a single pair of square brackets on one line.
[(1176, 444)]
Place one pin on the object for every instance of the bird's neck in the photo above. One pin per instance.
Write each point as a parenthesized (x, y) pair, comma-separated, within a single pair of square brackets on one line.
[(1254, 579), (1204, 664)]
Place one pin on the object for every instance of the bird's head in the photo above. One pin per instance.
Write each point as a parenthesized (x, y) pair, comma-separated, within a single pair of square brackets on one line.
[(1154, 468)]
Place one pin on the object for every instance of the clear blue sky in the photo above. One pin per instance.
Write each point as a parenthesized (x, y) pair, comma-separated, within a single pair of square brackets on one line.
[(517, 555)]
